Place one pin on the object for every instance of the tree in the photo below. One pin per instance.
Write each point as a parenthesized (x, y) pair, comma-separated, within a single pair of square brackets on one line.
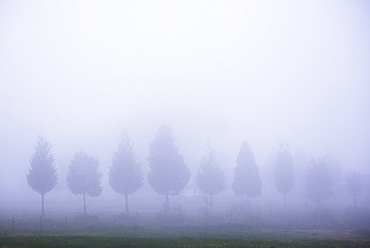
[(284, 172), (354, 185), (125, 175), (42, 175), (247, 180), (168, 173), (319, 183), (210, 179), (83, 177)]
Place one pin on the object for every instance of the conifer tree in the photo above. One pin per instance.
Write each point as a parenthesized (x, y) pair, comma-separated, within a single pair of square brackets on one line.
[(168, 173), (125, 175), (247, 180), (210, 179), (42, 175)]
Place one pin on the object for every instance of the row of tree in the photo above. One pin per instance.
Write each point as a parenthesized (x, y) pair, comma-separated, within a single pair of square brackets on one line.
[(169, 175)]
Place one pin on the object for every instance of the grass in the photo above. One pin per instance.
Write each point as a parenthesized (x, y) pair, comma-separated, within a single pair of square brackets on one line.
[(153, 230), (226, 236), (114, 241)]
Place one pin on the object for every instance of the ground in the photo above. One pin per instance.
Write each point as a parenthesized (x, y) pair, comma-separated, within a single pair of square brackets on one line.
[(193, 236)]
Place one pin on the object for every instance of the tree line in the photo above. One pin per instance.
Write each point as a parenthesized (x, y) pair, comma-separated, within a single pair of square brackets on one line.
[(169, 175)]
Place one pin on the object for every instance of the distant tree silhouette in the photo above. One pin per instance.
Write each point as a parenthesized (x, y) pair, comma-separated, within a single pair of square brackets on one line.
[(42, 175), (319, 183), (168, 173), (210, 179), (284, 172), (125, 175), (247, 180), (83, 177), (354, 185)]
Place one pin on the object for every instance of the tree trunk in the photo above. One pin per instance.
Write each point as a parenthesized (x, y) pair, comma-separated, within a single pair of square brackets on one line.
[(211, 202), (167, 202), (247, 209), (319, 206), (318, 216), (42, 205), (284, 201), (126, 203), (84, 199)]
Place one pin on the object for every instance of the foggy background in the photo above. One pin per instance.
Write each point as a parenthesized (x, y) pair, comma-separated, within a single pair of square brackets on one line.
[(268, 72)]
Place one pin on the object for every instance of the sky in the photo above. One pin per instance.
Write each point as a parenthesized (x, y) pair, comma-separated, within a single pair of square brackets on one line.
[(268, 72)]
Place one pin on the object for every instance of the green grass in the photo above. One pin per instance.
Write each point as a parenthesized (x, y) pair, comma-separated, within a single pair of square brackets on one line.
[(151, 232), (189, 237), (114, 241)]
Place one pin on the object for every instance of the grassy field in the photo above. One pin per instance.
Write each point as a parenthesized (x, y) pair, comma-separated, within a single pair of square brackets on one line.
[(174, 229), (114, 241), (191, 237)]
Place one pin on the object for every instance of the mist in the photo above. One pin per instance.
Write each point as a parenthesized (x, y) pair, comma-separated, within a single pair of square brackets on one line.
[(218, 72)]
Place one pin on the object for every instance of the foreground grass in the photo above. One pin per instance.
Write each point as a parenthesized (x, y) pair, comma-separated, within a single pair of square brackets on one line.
[(189, 237), (113, 241)]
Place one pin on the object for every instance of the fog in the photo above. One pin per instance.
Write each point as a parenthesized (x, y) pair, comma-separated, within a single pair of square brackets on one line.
[(266, 72)]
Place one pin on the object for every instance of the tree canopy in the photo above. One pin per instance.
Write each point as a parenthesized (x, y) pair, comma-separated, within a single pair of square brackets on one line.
[(83, 177), (210, 178), (168, 173), (42, 175), (247, 180), (125, 175)]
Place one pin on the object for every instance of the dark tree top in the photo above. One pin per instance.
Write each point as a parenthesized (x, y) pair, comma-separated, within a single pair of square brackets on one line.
[(42, 175), (284, 171), (168, 173), (83, 176), (125, 175), (319, 183), (247, 180), (210, 179)]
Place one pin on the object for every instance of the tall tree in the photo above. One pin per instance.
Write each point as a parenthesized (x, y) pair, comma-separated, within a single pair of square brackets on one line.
[(247, 180), (284, 172), (168, 173), (83, 177), (319, 183), (125, 175), (210, 179), (354, 185), (42, 175)]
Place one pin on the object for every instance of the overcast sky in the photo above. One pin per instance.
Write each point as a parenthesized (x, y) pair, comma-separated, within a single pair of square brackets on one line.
[(78, 72)]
